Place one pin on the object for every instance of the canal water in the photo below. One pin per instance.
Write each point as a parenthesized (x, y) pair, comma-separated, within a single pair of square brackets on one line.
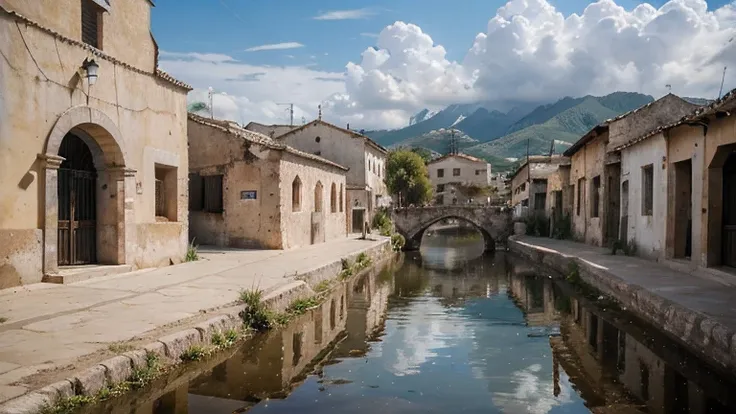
[(448, 329)]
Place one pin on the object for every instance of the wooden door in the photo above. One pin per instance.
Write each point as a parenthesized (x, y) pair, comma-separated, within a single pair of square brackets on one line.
[(77, 242)]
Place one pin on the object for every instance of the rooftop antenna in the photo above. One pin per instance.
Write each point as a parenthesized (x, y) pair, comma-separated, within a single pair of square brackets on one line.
[(212, 109), (723, 78), (304, 120), (319, 107), (291, 112), (669, 88)]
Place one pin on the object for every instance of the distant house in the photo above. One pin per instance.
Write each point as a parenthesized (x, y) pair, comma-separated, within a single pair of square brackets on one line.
[(619, 194), (248, 191), (365, 159), (271, 131), (529, 183), (455, 176)]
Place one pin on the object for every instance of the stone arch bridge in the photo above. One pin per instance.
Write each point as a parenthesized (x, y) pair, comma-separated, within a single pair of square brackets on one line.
[(492, 221)]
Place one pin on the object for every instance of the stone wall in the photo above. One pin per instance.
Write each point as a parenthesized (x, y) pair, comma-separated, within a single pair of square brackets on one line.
[(587, 163)]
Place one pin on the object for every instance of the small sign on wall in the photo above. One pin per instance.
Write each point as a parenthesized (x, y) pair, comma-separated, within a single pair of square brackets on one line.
[(248, 195)]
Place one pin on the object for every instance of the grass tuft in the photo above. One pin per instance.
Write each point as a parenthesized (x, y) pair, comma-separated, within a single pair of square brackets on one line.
[(192, 253), (301, 306), (194, 353), (120, 348)]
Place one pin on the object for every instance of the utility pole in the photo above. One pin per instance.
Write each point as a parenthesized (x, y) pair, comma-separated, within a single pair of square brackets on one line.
[(291, 112), (212, 109), (319, 108), (723, 78)]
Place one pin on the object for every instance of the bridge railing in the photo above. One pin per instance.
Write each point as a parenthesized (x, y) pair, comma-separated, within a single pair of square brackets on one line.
[(496, 207)]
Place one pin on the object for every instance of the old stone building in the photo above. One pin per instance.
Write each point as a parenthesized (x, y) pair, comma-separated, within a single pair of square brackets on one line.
[(457, 177), (249, 191), (365, 159), (600, 174), (273, 130), (529, 183), (93, 155), (693, 188)]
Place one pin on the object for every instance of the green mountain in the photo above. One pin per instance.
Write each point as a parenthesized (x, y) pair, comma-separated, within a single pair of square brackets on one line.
[(565, 128), (438, 140)]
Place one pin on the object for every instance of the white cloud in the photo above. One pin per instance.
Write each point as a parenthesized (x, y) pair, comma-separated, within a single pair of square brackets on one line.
[(345, 14), (275, 46), (529, 52)]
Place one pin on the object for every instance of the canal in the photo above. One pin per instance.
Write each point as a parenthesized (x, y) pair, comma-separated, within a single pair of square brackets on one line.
[(447, 329)]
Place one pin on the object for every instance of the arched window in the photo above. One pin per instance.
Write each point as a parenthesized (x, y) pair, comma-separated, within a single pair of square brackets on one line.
[(341, 198), (296, 194), (318, 197), (333, 198)]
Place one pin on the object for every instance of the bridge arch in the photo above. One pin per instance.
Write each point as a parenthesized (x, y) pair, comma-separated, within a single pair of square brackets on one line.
[(494, 223)]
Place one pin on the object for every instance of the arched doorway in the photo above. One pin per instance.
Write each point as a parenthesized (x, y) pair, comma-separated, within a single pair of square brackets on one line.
[(77, 241), (729, 211)]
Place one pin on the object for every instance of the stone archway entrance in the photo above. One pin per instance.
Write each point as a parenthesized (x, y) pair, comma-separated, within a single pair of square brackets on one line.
[(87, 218), (77, 203)]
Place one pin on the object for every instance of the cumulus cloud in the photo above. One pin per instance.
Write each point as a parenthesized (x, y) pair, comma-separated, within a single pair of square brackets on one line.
[(345, 14), (529, 52), (275, 46)]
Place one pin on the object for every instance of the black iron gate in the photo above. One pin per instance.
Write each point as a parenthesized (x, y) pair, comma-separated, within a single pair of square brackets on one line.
[(77, 204)]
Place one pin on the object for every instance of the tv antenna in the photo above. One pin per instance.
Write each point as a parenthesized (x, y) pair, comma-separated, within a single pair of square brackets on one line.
[(291, 112), (723, 78), (669, 88)]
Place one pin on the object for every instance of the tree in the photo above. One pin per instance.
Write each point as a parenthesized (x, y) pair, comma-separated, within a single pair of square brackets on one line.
[(424, 153), (407, 177)]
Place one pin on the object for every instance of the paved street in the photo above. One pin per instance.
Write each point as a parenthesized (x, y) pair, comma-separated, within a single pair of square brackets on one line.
[(49, 326), (709, 292)]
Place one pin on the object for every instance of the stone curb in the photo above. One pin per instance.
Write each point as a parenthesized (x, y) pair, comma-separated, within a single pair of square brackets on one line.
[(698, 332), (169, 348)]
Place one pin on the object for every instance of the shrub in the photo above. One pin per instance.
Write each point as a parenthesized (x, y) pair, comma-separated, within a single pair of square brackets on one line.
[(562, 228), (301, 306), (193, 353), (397, 242), (382, 222), (192, 253), (255, 315), (537, 224)]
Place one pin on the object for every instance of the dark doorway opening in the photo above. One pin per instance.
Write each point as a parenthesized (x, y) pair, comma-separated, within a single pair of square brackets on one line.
[(77, 203), (683, 209), (729, 211)]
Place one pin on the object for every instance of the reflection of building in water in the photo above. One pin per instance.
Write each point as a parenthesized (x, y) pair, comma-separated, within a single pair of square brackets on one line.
[(535, 296), (477, 279), (600, 350), (367, 299), (267, 368)]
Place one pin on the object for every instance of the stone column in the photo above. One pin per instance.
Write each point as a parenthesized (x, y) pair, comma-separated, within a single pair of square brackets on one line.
[(51, 164), (127, 237)]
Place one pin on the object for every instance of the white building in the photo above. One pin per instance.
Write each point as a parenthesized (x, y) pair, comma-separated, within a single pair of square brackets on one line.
[(366, 160), (456, 177)]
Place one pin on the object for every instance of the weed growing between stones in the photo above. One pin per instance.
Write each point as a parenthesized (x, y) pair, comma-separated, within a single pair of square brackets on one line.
[(347, 269), (226, 340), (397, 242), (255, 315), (68, 405), (192, 253), (195, 353), (322, 286), (362, 261), (573, 274), (301, 306), (144, 375), (119, 348)]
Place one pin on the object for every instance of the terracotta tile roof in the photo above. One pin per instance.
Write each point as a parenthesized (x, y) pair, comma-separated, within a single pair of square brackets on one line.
[(346, 131), (460, 155), (260, 139), (553, 162), (94, 51), (727, 105)]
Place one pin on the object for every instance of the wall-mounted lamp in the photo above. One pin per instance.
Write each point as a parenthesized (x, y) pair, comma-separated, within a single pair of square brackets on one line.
[(91, 67)]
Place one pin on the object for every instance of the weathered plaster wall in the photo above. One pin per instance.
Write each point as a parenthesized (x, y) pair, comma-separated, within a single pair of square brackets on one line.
[(558, 181), (269, 130), (39, 81), (520, 179), (335, 146), (375, 176), (587, 163), (663, 111), (127, 23), (296, 226), (647, 231)]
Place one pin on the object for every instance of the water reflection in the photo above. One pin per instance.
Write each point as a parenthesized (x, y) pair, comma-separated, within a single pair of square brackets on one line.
[(450, 245), (488, 335)]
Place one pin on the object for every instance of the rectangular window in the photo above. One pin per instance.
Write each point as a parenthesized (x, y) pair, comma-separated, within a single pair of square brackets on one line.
[(596, 193), (196, 192), (213, 194), (440, 188), (455, 172), (647, 189), (440, 173), (92, 24), (165, 192)]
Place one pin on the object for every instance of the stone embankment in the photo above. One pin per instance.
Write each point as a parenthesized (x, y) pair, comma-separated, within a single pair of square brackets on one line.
[(89, 373), (695, 309)]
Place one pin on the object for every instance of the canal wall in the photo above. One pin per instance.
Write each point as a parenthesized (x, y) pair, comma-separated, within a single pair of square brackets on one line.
[(90, 380), (701, 333)]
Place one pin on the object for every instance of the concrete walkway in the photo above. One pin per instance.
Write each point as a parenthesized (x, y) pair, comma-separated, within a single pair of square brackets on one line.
[(699, 306), (50, 326)]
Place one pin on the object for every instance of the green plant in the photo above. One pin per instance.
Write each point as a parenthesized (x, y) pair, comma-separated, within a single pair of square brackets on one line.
[(192, 253), (68, 405), (279, 318), (322, 286), (362, 261), (397, 242), (301, 306), (562, 227), (382, 222), (407, 176), (232, 336), (218, 340), (255, 315), (251, 297), (347, 269), (573, 274), (119, 348), (144, 375), (194, 353), (537, 224)]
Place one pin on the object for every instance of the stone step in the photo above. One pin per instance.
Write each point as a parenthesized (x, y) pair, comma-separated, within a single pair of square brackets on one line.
[(72, 274)]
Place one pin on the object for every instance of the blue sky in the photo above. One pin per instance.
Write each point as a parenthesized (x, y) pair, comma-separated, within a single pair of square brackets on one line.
[(224, 44)]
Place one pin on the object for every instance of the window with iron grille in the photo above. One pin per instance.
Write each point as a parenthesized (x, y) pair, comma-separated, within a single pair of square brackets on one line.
[(91, 24), (440, 188), (213, 193), (455, 172), (196, 192), (647, 189), (440, 172)]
